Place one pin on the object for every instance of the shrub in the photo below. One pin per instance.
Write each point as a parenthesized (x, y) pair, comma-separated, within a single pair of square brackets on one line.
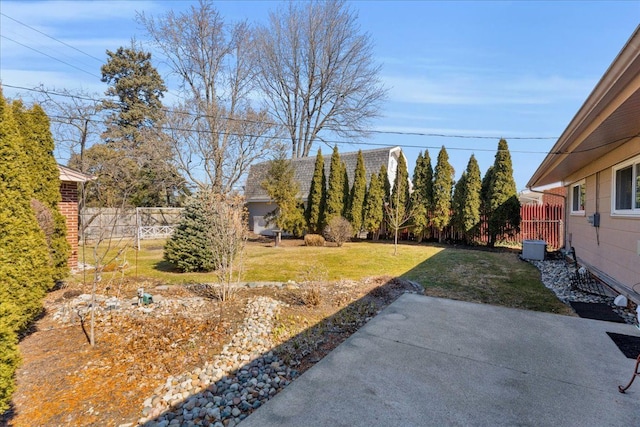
[(338, 230), (188, 248), (312, 297), (313, 240)]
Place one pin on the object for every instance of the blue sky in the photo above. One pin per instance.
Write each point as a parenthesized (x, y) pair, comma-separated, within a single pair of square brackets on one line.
[(517, 70)]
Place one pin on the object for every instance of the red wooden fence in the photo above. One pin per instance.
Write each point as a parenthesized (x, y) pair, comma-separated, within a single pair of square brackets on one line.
[(537, 222)]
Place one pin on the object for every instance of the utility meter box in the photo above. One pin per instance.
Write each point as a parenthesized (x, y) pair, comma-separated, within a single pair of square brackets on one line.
[(534, 249)]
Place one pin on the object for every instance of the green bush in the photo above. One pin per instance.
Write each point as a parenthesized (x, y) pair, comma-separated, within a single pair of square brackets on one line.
[(188, 248), (338, 230), (313, 240), (25, 263), (9, 360)]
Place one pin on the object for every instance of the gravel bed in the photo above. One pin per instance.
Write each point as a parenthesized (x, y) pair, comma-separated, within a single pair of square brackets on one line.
[(555, 274), (226, 390)]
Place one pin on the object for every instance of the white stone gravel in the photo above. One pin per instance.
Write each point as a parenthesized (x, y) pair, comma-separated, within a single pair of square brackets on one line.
[(555, 274)]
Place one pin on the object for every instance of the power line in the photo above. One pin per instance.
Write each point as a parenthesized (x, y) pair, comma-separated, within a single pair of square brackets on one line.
[(403, 133), (51, 37), (49, 56)]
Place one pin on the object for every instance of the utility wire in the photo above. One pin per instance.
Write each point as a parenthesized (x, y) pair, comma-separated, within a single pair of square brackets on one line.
[(51, 37), (187, 113), (49, 56)]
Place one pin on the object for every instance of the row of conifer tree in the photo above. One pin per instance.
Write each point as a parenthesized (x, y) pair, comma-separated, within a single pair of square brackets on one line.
[(435, 203)]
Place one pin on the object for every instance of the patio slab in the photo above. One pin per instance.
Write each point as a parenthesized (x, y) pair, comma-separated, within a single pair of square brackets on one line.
[(430, 362)]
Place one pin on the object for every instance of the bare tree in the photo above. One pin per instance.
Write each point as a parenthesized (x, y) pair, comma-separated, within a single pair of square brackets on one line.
[(227, 236), (217, 132), (317, 72), (75, 120)]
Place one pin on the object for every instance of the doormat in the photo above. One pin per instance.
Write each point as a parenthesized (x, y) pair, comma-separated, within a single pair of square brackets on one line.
[(597, 311), (628, 344)]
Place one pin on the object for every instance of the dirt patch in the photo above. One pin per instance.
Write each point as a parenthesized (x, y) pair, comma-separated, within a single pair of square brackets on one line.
[(65, 381)]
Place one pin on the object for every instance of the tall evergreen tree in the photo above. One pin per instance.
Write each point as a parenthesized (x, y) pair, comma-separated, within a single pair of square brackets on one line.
[(38, 146), (133, 126), (471, 208), (335, 187), (25, 267), (358, 192), (316, 200), (374, 207), (400, 192), (346, 191), (457, 204), (383, 176), (503, 203), (428, 181), (420, 220), (442, 187)]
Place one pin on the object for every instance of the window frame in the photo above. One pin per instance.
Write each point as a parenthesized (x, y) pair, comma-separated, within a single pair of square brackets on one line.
[(583, 190), (634, 163)]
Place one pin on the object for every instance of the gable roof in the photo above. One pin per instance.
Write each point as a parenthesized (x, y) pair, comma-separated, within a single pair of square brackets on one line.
[(72, 175), (304, 167), (608, 119)]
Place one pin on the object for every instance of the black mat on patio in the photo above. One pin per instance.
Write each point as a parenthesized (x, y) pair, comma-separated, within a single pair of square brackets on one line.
[(628, 344), (597, 311)]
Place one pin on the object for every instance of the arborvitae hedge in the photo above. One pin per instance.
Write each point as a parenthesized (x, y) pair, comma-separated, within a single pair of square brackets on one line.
[(442, 187), (317, 197), (188, 248), (38, 145), (502, 198), (335, 187), (25, 270), (358, 191), (374, 206)]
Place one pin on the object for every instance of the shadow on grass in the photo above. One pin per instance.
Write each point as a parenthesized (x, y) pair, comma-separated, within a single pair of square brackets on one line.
[(470, 274)]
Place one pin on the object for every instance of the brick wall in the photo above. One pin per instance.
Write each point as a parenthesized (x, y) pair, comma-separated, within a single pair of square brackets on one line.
[(554, 196), (69, 208)]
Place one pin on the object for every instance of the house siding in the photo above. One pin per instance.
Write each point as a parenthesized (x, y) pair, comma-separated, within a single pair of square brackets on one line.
[(612, 248)]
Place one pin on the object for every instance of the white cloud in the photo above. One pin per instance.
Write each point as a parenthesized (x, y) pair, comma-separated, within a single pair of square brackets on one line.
[(468, 89)]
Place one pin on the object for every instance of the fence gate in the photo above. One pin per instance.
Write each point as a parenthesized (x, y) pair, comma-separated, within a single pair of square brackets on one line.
[(156, 223)]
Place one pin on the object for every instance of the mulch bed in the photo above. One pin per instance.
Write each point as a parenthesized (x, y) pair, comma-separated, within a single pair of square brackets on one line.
[(629, 345), (597, 311)]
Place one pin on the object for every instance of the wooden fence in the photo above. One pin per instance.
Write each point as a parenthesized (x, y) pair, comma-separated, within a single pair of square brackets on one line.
[(537, 222)]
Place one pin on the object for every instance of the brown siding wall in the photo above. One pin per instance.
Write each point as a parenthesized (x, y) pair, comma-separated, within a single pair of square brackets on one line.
[(69, 208), (611, 248)]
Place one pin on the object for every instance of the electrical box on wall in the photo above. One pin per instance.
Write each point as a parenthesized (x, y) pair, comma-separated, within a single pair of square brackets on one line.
[(594, 219)]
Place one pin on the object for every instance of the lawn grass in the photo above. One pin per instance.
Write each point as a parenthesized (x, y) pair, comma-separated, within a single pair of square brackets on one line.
[(492, 277)]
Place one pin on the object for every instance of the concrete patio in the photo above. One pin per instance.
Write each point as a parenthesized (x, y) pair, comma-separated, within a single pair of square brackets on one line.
[(433, 362)]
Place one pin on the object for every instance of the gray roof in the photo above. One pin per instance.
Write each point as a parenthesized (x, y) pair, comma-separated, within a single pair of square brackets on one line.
[(373, 160)]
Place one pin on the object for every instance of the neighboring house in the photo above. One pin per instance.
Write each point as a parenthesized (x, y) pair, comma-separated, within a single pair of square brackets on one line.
[(597, 159), (552, 194), (69, 180), (258, 201)]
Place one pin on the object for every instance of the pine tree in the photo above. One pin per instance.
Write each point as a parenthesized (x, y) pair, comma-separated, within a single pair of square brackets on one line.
[(442, 186), (335, 187), (132, 127), (358, 192), (283, 189), (420, 220), (38, 147), (25, 270), (502, 197), (188, 248), (428, 181), (374, 207), (317, 197), (471, 208)]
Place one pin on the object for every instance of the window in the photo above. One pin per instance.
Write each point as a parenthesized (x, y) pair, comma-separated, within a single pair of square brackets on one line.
[(578, 195), (626, 188)]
